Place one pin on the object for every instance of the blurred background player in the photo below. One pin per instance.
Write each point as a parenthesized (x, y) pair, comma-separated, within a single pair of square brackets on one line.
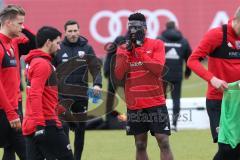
[(177, 51)]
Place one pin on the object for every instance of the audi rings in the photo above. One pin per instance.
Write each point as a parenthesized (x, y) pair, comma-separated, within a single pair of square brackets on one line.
[(115, 26)]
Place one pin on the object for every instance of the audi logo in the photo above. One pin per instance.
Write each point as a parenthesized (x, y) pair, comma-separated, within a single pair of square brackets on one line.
[(115, 26)]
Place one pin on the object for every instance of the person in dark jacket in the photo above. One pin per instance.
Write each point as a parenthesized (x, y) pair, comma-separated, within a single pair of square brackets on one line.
[(177, 51), (76, 46), (109, 74)]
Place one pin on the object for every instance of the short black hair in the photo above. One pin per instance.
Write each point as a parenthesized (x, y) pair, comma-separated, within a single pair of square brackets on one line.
[(46, 33), (137, 17), (170, 25), (70, 22)]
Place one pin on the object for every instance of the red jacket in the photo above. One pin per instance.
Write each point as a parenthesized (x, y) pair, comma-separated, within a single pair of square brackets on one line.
[(9, 76), (225, 69), (42, 94), (142, 71)]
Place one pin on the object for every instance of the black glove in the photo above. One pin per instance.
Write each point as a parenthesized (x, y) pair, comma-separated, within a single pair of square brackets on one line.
[(110, 48), (139, 35), (129, 46), (187, 73), (39, 133), (72, 125)]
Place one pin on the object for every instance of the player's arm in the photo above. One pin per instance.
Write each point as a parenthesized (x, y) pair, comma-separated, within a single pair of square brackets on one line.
[(39, 72), (208, 44), (27, 42), (156, 62), (12, 115), (107, 65), (122, 64), (94, 67), (187, 53)]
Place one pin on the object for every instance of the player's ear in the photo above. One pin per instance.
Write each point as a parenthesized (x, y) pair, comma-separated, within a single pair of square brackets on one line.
[(48, 43), (7, 22)]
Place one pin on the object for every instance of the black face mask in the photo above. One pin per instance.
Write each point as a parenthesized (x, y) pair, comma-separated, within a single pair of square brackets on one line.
[(136, 32), (134, 26), (134, 29)]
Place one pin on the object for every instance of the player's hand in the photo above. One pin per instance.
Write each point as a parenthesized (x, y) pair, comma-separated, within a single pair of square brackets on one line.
[(186, 77), (60, 109), (128, 43), (39, 133), (96, 90), (219, 84), (139, 38), (187, 74), (16, 124)]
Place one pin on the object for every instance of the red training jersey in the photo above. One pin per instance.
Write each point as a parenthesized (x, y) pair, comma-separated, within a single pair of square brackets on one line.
[(223, 68), (9, 76), (142, 69), (42, 93)]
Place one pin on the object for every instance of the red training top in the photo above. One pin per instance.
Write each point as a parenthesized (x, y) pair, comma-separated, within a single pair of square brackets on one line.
[(226, 68), (42, 93), (142, 69), (9, 76)]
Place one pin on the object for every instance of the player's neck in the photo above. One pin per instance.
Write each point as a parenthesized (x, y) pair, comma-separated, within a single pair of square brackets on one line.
[(45, 50), (6, 33), (235, 27)]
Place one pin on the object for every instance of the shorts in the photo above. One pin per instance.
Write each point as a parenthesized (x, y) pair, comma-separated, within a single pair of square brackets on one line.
[(5, 128), (154, 119), (214, 113), (11, 137), (54, 144)]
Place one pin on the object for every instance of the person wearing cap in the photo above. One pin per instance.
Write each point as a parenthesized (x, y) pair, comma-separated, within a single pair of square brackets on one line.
[(139, 62), (221, 45)]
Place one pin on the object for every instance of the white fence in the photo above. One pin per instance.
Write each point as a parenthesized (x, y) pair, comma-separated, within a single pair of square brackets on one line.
[(193, 114)]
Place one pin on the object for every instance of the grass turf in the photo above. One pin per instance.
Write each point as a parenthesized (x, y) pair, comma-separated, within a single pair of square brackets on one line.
[(115, 145)]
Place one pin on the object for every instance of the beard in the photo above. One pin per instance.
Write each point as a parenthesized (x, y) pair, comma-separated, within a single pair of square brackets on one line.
[(73, 39)]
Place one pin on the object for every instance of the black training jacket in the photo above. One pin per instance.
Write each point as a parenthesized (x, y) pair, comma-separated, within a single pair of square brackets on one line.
[(177, 51)]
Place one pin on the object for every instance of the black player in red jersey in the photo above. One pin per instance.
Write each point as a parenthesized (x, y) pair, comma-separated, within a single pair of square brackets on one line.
[(140, 63)]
